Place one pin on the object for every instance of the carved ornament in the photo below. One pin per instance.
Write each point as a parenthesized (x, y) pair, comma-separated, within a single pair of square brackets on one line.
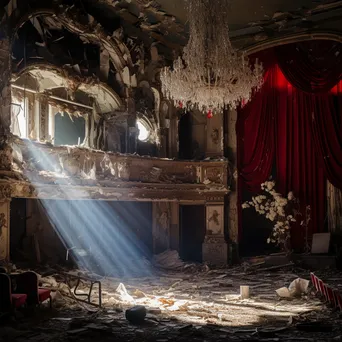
[(214, 174)]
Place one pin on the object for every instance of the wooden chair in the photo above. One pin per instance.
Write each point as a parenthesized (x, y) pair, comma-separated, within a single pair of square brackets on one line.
[(9, 300), (27, 283)]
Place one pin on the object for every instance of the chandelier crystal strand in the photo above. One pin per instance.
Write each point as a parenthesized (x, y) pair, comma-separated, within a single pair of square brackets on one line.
[(211, 74)]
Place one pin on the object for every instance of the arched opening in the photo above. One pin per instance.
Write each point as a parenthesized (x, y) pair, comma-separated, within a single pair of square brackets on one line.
[(144, 130), (146, 138), (45, 108)]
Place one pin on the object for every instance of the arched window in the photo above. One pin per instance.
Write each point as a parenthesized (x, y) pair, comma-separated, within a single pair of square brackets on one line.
[(144, 130)]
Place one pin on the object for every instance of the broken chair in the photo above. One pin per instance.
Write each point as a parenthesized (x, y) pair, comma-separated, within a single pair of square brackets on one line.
[(9, 300), (27, 283)]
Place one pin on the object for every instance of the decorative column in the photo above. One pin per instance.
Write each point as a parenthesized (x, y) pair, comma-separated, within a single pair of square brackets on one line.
[(5, 88), (6, 157), (44, 120), (164, 129), (214, 140), (131, 123), (215, 248), (172, 124), (4, 230), (232, 214)]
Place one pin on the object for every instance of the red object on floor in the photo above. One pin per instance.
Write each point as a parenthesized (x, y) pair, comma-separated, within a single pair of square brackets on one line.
[(333, 296), (322, 289), (18, 299), (338, 297), (314, 281), (330, 293), (43, 294)]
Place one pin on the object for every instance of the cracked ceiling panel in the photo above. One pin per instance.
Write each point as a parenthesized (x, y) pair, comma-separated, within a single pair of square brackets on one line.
[(165, 22), (87, 35)]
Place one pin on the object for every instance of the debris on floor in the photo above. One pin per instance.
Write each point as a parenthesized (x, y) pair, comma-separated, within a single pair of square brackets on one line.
[(177, 305), (297, 288)]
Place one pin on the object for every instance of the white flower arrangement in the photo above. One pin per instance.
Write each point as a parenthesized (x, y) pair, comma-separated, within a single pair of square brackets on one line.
[(278, 209)]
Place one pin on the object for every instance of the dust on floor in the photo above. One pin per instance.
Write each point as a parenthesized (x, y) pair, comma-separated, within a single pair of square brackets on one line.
[(188, 305)]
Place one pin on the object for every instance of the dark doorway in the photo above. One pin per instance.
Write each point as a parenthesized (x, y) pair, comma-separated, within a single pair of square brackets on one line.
[(185, 137), (18, 227), (67, 131), (192, 232)]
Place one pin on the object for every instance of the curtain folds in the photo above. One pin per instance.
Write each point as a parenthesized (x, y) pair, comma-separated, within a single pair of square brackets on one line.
[(255, 144), (311, 66), (275, 128), (294, 122), (326, 129), (298, 166)]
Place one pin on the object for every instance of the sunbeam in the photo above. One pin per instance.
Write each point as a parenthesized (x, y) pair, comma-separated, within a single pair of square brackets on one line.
[(96, 234)]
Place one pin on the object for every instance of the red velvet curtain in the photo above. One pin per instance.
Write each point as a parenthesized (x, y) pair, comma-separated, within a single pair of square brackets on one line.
[(294, 121), (315, 67), (327, 133), (311, 66), (255, 141), (284, 114), (298, 167)]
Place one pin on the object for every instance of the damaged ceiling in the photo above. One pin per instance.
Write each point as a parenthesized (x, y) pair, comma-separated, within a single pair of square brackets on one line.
[(164, 22), (244, 13), (120, 43), (161, 23)]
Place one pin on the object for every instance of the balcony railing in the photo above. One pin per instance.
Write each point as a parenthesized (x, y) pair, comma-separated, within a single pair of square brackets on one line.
[(42, 163)]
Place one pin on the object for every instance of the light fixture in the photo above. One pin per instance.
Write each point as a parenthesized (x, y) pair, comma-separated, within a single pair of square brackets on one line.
[(210, 75)]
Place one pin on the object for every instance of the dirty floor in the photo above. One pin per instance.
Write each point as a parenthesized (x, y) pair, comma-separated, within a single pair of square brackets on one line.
[(187, 305)]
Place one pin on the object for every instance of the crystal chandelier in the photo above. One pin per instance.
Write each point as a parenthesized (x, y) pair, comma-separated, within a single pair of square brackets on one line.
[(210, 75)]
